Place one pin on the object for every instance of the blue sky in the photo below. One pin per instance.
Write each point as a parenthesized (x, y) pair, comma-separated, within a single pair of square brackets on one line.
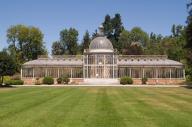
[(51, 16)]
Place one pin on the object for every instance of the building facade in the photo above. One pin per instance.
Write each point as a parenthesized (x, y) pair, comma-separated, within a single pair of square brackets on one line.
[(100, 62)]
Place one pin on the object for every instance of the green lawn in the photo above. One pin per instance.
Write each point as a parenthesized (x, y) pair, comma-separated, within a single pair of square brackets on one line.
[(95, 107)]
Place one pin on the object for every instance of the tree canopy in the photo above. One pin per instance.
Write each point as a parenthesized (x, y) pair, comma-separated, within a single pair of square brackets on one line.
[(86, 41), (26, 42), (69, 38), (7, 65)]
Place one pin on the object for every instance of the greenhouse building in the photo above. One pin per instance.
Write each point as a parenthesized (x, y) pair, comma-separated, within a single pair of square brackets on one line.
[(101, 64)]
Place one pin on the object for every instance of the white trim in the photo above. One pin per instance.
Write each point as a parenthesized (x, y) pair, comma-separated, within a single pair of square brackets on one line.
[(101, 51)]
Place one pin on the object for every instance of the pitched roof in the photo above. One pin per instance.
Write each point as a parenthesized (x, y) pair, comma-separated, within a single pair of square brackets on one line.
[(147, 61), (55, 62)]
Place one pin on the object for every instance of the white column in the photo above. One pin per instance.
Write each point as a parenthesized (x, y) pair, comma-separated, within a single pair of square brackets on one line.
[(57, 72), (104, 67), (46, 72), (96, 65), (113, 67), (33, 73), (83, 67), (87, 66), (183, 73), (170, 73), (130, 72), (156, 73), (71, 72), (21, 73), (143, 72)]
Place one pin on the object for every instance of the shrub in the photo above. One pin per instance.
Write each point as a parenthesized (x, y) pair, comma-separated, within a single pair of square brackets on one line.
[(48, 80), (144, 80), (5, 79), (59, 80), (65, 79), (14, 82), (126, 80), (37, 81)]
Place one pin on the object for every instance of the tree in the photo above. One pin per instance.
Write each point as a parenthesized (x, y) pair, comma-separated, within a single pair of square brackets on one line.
[(86, 41), (27, 42), (133, 49), (69, 40), (7, 65), (57, 48), (124, 41), (188, 45), (95, 34), (154, 47), (173, 30), (138, 35), (112, 29), (108, 26), (34, 45)]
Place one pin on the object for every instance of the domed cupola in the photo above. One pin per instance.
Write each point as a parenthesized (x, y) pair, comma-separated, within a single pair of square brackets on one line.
[(101, 43)]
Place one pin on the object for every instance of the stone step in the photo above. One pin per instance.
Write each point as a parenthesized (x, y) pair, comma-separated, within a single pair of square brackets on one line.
[(93, 81)]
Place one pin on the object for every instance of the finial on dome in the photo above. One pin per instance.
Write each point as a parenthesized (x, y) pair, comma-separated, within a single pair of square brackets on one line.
[(101, 30)]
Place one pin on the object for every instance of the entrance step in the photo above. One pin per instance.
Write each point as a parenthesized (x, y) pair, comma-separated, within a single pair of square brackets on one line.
[(96, 81)]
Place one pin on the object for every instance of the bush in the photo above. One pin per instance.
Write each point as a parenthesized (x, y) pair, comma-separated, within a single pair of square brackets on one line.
[(126, 80), (65, 79), (14, 82), (48, 80), (144, 80), (5, 79), (59, 80), (37, 81)]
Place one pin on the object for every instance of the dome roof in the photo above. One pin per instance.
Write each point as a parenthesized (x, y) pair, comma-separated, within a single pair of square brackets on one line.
[(101, 43)]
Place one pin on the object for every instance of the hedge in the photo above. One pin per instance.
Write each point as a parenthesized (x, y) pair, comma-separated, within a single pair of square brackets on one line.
[(126, 80), (48, 80), (14, 82)]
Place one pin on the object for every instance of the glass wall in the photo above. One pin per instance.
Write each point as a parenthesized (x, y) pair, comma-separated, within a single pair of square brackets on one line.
[(55, 72), (100, 66), (151, 72)]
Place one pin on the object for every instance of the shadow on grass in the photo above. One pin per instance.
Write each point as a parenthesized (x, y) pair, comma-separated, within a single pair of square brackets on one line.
[(6, 86), (188, 85)]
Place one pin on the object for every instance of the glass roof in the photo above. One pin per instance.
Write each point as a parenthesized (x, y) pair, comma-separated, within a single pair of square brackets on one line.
[(101, 43)]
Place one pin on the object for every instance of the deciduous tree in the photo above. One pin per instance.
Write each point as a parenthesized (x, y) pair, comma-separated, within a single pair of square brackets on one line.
[(7, 65), (69, 39)]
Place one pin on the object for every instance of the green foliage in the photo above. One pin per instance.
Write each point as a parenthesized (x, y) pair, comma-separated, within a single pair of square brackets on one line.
[(138, 35), (48, 80), (65, 79), (5, 78), (37, 81), (59, 80), (126, 80), (188, 71), (144, 80), (108, 26), (14, 82), (25, 42), (132, 42), (124, 41), (69, 40), (133, 49), (57, 48), (188, 33), (7, 65), (86, 42), (112, 29)]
